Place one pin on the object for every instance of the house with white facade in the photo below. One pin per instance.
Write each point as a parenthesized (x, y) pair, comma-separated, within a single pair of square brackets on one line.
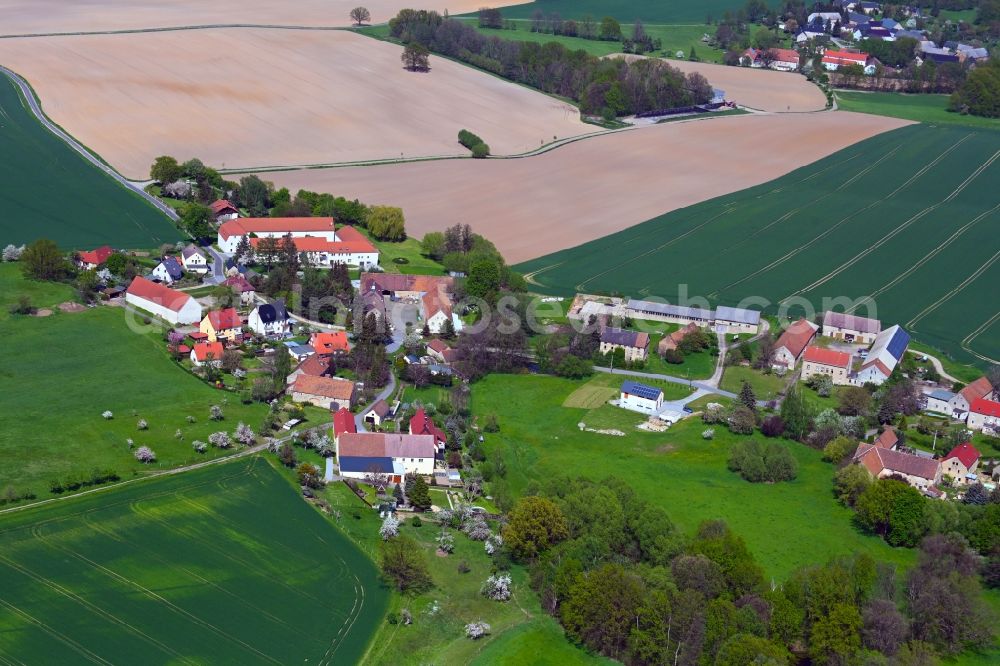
[(431, 294), (850, 328), (168, 271), (270, 320), (640, 397), (173, 306), (207, 352), (390, 454), (828, 363), (724, 319), (792, 344), (317, 237), (918, 471), (985, 415), (194, 260), (883, 356), (961, 463)]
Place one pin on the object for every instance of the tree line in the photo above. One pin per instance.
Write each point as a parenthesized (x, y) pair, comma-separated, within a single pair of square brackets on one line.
[(607, 87)]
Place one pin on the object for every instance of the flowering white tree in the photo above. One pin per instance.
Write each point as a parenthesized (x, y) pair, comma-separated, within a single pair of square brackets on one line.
[(107, 414), (476, 630), (142, 425), (145, 455), (497, 587), (446, 541), (220, 439), (708, 433), (390, 528), (190, 419), (200, 447), (477, 529), (130, 442), (12, 252), (215, 413), (493, 543), (244, 435), (178, 434)]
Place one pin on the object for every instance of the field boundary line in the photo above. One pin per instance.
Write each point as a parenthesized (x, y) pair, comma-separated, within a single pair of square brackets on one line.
[(899, 229), (967, 340), (178, 28), (962, 285), (923, 260), (58, 635)]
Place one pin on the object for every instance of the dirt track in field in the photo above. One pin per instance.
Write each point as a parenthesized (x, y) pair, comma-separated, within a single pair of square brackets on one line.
[(591, 188), (762, 89), (21, 17), (253, 98)]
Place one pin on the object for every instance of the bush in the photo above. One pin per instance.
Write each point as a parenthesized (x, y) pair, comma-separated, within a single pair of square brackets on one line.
[(708, 433), (416, 522), (773, 426), (468, 139), (476, 630), (673, 356), (199, 447), (480, 150), (839, 448), (756, 463)]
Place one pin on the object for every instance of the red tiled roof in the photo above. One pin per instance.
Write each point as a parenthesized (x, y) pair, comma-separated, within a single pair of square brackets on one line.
[(400, 282), (785, 55), (437, 345), (879, 460), (318, 244), (329, 343), (796, 337), (159, 294), (224, 319), (421, 424), (836, 359), (327, 387), (198, 335), (966, 453), (877, 363), (203, 349), (436, 301), (314, 365), (274, 225), (887, 439), (986, 407), (385, 445), (239, 283), (222, 205), (845, 58), (977, 389), (96, 257), (343, 422)]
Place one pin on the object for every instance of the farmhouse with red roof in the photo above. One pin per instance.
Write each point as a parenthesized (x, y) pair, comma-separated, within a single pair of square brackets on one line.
[(985, 415), (826, 362), (223, 210), (90, 260), (328, 392), (834, 60), (421, 424), (239, 284), (317, 237), (205, 352), (961, 463), (326, 344), (981, 388), (792, 343), (343, 422), (881, 462), (175, 307), (222, 324)]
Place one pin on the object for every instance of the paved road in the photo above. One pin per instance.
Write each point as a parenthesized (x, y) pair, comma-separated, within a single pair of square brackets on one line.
[(384, 394), (36, 109), (218, 275), (937, 366)]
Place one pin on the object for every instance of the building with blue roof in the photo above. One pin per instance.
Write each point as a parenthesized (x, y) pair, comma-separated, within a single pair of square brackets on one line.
[(640, 397), (884, 355)]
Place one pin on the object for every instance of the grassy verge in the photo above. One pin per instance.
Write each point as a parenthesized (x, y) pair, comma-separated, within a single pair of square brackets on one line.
[(765, 387), (919, 108)]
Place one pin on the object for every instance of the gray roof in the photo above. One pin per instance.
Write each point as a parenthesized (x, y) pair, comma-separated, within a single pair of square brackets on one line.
[(851, 322), (941, 394), (190, 250), (670, 310), (741, 315), (618, 336), (641, 390)]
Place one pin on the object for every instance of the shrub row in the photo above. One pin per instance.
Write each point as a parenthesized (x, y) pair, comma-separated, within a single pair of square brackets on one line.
[(478, 147), (10, 496), (77, 481)]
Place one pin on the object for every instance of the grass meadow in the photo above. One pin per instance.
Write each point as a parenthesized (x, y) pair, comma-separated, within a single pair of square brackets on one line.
[(786, 525), (225, 564), (904, 222), (627, 11), (59, 373), (49, 191), (920, 108)]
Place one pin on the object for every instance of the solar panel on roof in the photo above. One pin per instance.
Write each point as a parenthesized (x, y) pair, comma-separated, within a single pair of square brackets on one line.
[(640, 390)]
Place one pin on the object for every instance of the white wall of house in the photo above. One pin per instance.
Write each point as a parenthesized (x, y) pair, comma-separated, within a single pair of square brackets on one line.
[(839, 376), (261, 328), (988, 424), (870, 375), (915, 481), (189, 314), (839, 333), (196, 262), (422, 466), (160, 273), (436, 322), (782, 356), (321, 401), (637, 404), (954, 468)]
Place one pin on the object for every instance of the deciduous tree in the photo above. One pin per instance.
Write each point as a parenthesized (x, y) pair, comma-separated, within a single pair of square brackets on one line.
[(360, 15)]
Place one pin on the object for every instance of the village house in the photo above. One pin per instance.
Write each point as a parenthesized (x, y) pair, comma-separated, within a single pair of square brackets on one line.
[(724, 319), (317, 237), (834, 60), (351, 249), (887, 439), (439, 350), (640, 397), (270, 320), (314, 366), (222, 324), (193, 260), (207, 352), (671, 340), (168, 271), (961, 463), (343, 422), (981, 388), (394, 455), (883, 356), (240, 285), (421, 424), (850, 328), (299, 352), (91, 260), (792, 343), (429, 293), (634, 344), (328, 344), (377, 413), (223, 210), (827, 362), (175, 307), (919, 472), (940, 401), (327, 392), (785, 60), (984, 415), (736, 320)]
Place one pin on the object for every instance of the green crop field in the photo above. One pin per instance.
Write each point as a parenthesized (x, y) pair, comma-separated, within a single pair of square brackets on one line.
[(58, 374), (921, 108), (225, 564), (49, 191), (626, 11), (905, 222), (786, 525)]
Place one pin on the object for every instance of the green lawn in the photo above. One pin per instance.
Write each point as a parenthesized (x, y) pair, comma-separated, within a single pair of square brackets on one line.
[(59, 373), (694, 366), (222, 565), (627, 11), (765, 387), (786, 525), (921, 108), (406, 257), (671, 390), (917, 205), (50, 191)]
